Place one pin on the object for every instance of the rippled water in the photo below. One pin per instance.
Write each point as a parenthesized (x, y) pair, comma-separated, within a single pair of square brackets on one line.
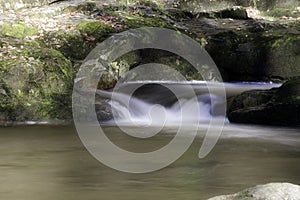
[(49, 162)]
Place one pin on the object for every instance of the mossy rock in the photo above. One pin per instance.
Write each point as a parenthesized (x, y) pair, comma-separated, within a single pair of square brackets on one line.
[(78, 43), (289, 92), (136, 22), (37, 82), (271, 107), (238, 53), (251, 98), (282, 56), (17, 30), (256, 55), (85, 7), (282, 12)]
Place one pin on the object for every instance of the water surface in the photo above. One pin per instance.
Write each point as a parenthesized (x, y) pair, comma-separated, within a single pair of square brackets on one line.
[(49, 162)]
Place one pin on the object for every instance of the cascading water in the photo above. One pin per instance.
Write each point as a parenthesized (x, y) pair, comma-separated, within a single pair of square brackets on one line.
[(155, 105), (140, 112)]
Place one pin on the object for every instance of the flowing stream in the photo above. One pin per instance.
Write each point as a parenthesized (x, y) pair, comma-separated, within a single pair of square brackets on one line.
[(173, 103), (46, 162)]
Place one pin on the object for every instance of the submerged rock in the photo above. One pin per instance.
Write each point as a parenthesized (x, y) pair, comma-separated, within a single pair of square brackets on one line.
[(271, 191), (272, 107)]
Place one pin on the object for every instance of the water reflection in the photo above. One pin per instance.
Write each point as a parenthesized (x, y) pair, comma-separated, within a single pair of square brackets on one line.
[(51, 163)]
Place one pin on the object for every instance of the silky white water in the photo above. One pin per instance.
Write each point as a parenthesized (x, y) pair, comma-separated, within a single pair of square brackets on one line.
[(172, 103)]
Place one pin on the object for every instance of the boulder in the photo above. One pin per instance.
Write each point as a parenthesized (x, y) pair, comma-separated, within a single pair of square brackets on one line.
[(271, 191), (252, 54), (35, 82), (271, 107)]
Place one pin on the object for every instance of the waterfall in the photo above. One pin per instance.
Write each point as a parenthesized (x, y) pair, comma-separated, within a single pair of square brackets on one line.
[(140, 112), (154, 105)]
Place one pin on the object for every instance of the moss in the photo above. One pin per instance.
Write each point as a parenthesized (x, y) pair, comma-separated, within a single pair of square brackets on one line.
[(289, 92), (17, 30), (78, 43), (136, 22), (280, 12), (285, 40), (152, 4), (96, 29), (146, 56), (86, 7), (34, 76), (243, 194), (282, 56)]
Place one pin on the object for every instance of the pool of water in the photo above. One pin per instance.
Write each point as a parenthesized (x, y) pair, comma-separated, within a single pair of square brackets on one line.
[(50, 162)]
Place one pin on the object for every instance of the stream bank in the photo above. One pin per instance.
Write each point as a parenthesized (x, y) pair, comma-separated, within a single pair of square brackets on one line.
[(43, 46)]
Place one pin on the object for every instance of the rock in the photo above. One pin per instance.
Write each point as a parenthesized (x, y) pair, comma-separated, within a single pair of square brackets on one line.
[(16, 4), (212, 5), (235, 12), (77, 43), (271, 191), (35, 81), (271, 107), (281, 56), (103, 111), (179, 14), (251, 99), (252, 54)]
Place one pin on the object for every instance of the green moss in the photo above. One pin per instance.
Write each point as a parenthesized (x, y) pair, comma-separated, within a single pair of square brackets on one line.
[(17, 30), (33, 79), (279, 12), (137, 22), (289, 92), (243, 194), (285, 40), (93, 28), (86, 7), (78, 43), (283, 56)]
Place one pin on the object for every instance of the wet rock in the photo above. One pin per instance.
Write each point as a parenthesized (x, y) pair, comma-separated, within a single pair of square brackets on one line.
[(271, 191), (270, 107), (103, 111)]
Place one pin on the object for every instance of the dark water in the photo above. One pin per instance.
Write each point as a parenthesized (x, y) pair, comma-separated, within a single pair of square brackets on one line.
[(49, 162)]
